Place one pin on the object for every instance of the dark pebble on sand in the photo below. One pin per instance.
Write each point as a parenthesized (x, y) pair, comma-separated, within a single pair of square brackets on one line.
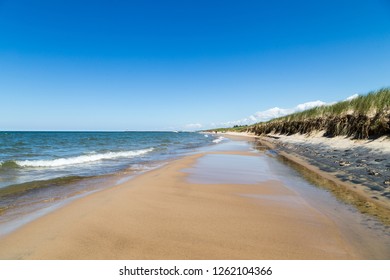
[(386, 194), (376, 188), (373, 173), (355, 181), (344, 163)]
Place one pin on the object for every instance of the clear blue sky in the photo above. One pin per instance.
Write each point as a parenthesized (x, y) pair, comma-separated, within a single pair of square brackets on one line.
[(158, 65)]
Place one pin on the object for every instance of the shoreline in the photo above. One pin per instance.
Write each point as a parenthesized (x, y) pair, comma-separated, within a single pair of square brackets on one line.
[(24, 201), (83, 186), (295, 149), (164, 214), (66, 164)]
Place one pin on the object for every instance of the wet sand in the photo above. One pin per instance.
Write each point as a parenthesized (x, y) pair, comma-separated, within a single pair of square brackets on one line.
[(358, 170), (212, 205)]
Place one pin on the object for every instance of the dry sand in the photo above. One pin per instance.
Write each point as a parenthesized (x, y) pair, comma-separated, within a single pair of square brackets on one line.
[(162, 215), (381, 145), (340, 142)]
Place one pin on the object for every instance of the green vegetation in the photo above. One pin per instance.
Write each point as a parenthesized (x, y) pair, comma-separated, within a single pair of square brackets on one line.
[(367, 116), (364, 117), (370, 104), (236, 128)]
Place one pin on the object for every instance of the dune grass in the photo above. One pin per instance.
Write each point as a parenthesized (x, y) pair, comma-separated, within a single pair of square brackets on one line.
[(366, 116), (373, 103)]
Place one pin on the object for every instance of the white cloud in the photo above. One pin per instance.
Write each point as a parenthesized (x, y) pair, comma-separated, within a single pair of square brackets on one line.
[(352, 97), (271, 113), (280, 112), (276, 112), (309, 105)]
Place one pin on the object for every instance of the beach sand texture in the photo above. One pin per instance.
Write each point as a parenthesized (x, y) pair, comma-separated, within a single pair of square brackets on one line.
[(174, 213)]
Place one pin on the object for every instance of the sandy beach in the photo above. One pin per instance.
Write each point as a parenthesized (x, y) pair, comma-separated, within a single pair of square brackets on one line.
[(356, 170), (210, 205)]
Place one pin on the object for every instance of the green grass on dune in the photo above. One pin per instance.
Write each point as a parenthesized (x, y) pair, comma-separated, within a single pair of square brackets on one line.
[(367, 116), (373, 103), (236, 128)]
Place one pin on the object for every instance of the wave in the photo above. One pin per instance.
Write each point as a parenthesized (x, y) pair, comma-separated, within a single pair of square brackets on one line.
[(76, 160), (18, 189), (219, 139)]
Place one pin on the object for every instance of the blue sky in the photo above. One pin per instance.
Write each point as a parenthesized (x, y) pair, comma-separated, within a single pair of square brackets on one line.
[(170, 65)]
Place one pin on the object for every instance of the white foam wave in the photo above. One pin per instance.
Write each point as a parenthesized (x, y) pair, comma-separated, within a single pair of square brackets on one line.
[(81, 159), (219, 139)]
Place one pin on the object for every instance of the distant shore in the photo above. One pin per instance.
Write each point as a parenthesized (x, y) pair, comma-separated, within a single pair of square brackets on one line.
[(212, 205)]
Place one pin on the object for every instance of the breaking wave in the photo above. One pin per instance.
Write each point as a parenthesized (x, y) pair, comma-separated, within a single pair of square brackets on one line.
[(219, 139), (80, 159)]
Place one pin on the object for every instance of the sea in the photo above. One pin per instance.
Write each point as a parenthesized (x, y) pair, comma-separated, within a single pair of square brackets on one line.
[(41, 171)]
